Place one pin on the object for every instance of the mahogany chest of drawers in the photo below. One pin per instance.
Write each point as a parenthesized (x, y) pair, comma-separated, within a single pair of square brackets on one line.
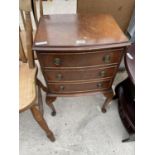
[(79, 54)]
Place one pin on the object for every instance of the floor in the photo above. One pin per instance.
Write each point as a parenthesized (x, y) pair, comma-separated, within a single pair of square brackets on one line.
[(80, 127)]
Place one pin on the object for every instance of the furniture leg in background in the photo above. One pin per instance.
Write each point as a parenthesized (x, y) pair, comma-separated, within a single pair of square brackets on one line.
[(125, 93), (49, 102)]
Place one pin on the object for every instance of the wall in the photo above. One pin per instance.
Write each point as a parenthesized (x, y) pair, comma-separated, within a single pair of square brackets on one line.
[(120, 9)]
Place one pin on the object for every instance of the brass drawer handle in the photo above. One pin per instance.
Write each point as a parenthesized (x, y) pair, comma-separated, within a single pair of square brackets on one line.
[(62, 88), (59, 76), (99, 85), (102, 73), (107, 59), (57, 61)]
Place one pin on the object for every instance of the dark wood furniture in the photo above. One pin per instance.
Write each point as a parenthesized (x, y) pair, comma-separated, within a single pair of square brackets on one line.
[(79, 54), (29, 86), (125, 92), (130, 62)]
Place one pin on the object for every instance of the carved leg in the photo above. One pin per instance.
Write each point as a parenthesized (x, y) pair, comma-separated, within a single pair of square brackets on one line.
[(39, 118), (115, 96), (109, 97), (39, 83), (40, 102), (49, 102)]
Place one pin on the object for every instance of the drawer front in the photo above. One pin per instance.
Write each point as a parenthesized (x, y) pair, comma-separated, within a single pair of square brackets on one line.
[(79, 74), (88, 59), (60, 88)]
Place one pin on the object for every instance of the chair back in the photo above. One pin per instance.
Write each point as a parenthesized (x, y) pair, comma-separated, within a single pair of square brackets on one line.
[(35, 10), (25, 7), (22, 55), (36, 7)]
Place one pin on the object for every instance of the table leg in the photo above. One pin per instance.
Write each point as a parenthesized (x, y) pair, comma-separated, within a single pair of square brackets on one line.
[(109, 97)]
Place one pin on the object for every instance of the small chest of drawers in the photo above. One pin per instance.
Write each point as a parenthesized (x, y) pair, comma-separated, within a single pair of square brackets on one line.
[(79, 53)]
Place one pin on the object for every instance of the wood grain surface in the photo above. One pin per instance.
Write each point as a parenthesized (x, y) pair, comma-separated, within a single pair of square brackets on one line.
[(76, 30)]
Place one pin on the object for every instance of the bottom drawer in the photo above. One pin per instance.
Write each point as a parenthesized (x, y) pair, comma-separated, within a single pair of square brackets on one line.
[(59, 88)]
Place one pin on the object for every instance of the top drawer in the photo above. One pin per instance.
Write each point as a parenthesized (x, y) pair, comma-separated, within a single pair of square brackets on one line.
[(77, 60)]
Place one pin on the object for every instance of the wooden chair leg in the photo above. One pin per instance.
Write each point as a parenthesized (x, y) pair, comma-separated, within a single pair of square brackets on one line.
[(49, 99), (39, 118), (49, 102), (40, 102), (109, 97), (39, 83)]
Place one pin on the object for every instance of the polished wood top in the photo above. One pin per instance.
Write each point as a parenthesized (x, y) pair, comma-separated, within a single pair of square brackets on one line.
[(78, 30)]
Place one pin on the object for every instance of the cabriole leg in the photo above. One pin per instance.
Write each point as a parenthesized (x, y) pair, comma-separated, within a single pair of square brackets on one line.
[(39, 118), (109, 97)]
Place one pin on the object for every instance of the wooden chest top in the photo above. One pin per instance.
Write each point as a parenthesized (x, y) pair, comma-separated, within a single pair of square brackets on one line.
[(78, 32)]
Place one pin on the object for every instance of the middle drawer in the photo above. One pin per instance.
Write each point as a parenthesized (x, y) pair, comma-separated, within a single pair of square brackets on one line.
[(78, 74)]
